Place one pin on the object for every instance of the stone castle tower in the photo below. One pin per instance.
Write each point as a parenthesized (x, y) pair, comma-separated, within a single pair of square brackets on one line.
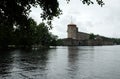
[(72, 31)]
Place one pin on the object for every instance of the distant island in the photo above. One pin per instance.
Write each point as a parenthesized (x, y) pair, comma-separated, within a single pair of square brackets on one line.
[(76, 38)]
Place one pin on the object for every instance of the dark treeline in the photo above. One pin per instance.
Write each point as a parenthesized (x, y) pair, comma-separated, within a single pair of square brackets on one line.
[(116, 41), (26, 36)]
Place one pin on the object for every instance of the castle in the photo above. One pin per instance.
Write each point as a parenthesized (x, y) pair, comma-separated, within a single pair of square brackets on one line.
[(76, 38)]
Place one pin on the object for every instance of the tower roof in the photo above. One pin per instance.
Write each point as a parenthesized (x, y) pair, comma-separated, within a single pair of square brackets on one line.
[(71, 24)]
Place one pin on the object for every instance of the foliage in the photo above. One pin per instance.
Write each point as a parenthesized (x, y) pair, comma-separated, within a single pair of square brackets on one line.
[(42, 35), (88, 2), (59, 42), (26, 36), (116, 41), (92, 36), (5, 34), (17, 11)]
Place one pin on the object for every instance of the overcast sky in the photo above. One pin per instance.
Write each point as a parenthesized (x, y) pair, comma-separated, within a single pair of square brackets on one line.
[(104, 20)]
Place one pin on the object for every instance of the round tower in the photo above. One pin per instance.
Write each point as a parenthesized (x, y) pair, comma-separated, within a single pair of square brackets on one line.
[(72, 31)]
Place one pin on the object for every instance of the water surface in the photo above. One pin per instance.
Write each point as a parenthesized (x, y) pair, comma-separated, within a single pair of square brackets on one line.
[(82, 62)]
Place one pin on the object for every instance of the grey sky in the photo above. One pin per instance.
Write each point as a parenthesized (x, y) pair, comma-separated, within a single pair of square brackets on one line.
[(91, 19)]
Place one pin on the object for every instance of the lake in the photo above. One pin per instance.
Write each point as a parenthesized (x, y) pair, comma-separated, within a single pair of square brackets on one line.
[(80, 62)]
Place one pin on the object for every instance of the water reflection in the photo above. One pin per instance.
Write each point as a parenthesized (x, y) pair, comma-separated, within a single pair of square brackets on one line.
[(73, 54), (80, 62)]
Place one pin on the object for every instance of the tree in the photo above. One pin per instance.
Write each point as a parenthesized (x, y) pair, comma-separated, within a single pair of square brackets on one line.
[(17, 11), (54, 40), (91, 36), (24, 35), (42, 35), (6, 34), (88, 2)]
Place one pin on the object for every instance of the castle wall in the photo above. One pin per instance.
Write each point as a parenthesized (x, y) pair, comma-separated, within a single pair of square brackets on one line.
[(82, 36), (74, 42), (70, 42)]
